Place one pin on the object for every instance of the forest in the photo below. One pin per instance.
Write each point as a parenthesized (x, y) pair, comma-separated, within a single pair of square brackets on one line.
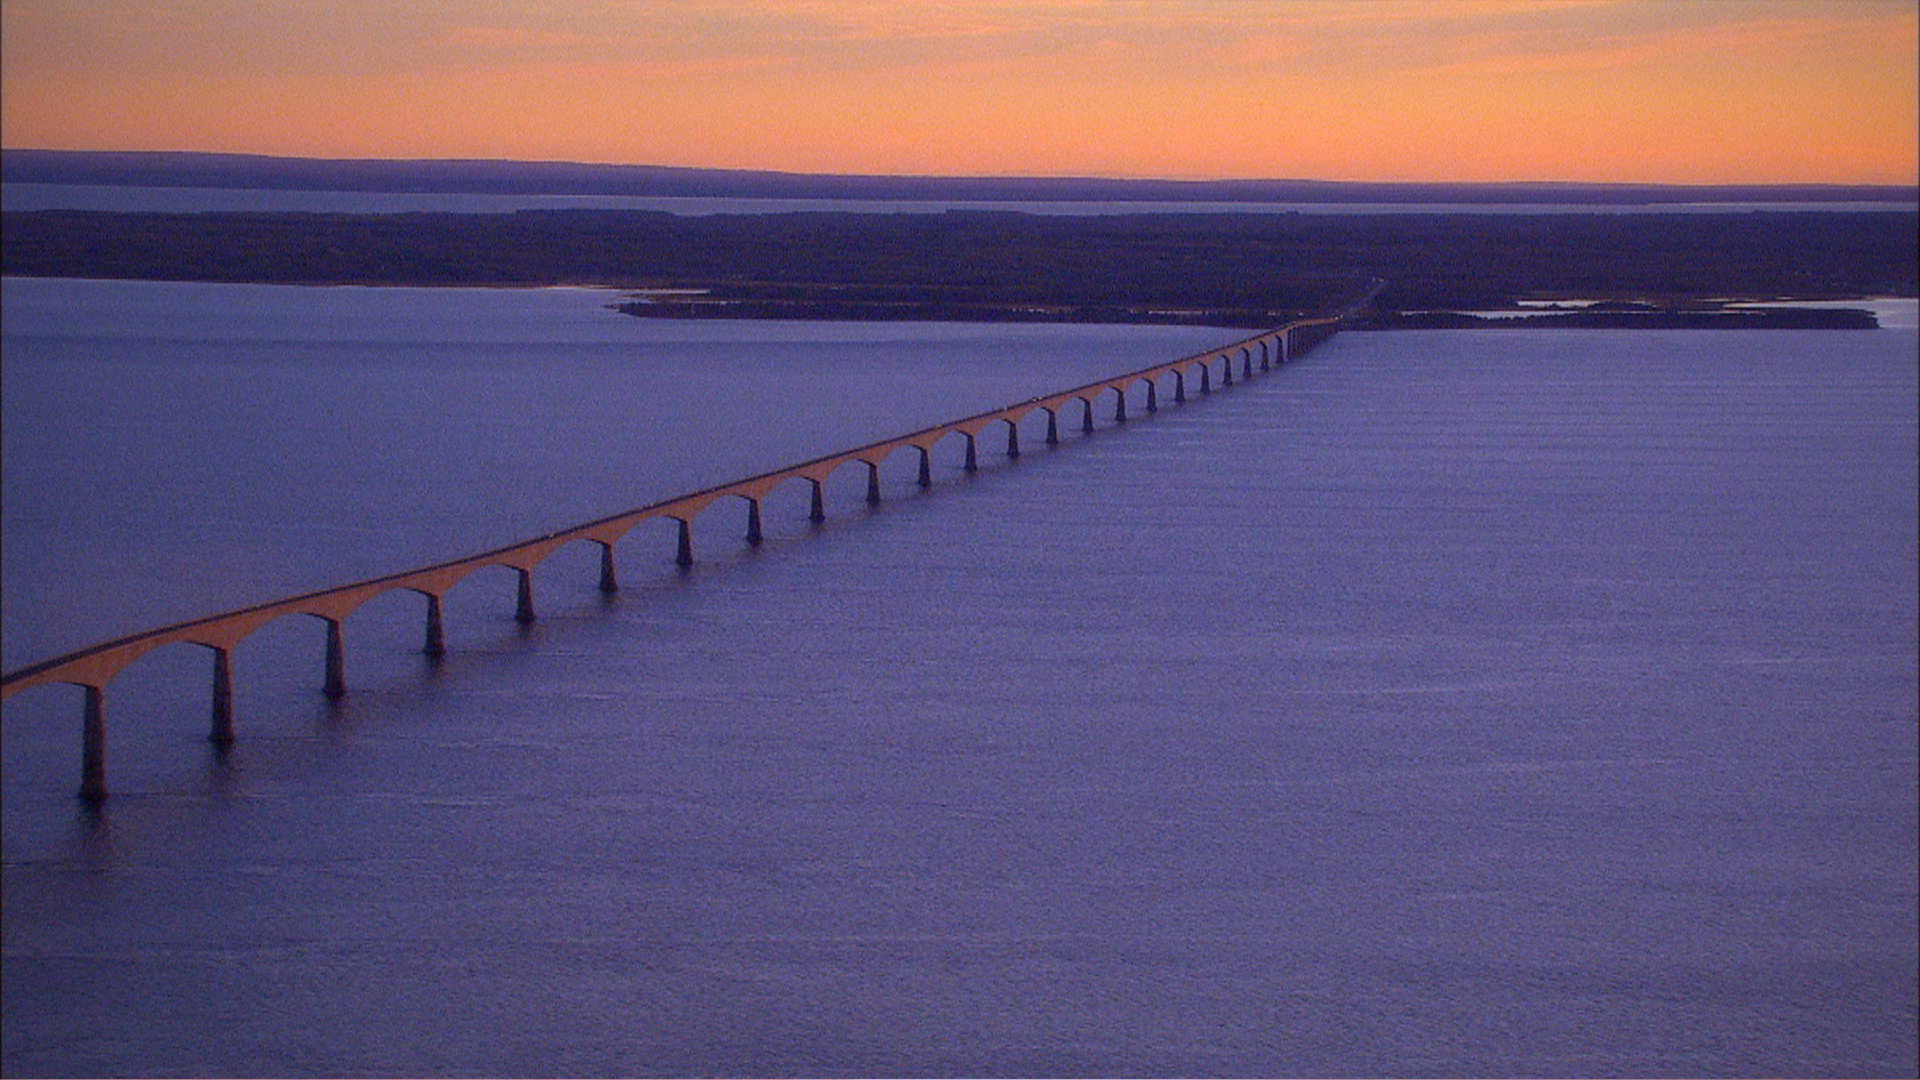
[(1226, 269)]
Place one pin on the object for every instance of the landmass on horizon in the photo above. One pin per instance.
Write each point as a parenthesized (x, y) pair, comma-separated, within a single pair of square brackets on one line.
[(501, 177), (1232, 269)]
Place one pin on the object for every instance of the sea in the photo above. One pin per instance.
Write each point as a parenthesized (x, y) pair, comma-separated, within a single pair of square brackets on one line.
[(1513, 702)]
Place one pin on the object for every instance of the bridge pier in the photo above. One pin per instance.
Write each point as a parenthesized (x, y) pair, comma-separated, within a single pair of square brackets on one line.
[(523, 599), (220, 733), (436, 644), (608, 583), (93, 747), (335, 686), (92, 668)]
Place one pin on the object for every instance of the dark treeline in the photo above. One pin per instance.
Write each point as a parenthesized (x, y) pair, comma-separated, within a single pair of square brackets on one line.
[(258, 172), (1219, 269)]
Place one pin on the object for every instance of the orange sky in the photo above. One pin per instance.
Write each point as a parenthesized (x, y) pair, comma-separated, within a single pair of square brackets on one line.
[(1606, 90)]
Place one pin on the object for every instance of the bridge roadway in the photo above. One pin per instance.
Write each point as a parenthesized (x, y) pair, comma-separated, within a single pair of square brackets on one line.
[(93, 667)]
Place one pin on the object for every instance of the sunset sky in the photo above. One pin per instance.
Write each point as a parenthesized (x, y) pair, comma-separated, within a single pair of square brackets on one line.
[(1604, 90)]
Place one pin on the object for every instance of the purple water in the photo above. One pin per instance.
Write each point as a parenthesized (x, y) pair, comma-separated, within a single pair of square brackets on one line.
[(1465, 703)]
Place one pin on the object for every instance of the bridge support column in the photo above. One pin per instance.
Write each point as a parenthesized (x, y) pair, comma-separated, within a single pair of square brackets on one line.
[(973, 461), (1246, 364), (873, 484), (1264, 367), (753, 522), (1153, 397), (93, 747), (335, 686), (1286, 345), (220, 732), (1119, 406), (1206, 376), (683, 556), (1013, 439), (818, 512), (1226, 372), (1179, 388), (1053, 428), (608, 583), (523, 599), (436, 644), (1086, 416), (926, 467)]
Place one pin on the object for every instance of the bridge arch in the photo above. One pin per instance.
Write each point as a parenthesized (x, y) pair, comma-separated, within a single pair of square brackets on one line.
[(936, 447), (916, 448)]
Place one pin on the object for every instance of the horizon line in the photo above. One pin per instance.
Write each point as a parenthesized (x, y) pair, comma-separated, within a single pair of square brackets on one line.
[(262, 157)]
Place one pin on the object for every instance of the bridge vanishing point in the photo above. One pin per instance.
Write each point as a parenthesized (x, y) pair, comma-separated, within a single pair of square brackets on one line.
[(93, 667)]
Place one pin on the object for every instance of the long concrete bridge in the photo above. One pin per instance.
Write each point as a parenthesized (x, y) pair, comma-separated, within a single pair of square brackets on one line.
[(93, 667)]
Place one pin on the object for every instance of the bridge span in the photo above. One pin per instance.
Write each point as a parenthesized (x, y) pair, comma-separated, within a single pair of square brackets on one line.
[(93, 667)]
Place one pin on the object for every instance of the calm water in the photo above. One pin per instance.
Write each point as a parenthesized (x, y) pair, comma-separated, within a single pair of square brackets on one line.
[(1505, 702), (198, 200)]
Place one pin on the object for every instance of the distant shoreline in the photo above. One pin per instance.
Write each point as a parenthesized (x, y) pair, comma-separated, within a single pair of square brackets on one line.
[(258, 172), (1781, 317), (1230, 270), (1780, 314)]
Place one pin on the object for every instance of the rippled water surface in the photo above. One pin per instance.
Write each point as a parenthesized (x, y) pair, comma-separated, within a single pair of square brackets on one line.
[(1458, 703)]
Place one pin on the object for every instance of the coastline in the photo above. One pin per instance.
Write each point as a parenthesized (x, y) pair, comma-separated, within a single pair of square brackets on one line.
[(1417, 271), (1703, 318), (1689, 318)]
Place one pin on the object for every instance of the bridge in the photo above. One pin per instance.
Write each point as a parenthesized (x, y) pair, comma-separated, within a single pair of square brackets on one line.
[(93, 667)]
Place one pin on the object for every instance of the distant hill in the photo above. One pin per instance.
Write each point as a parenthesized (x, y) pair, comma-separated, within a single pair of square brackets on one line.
[(244, 171)]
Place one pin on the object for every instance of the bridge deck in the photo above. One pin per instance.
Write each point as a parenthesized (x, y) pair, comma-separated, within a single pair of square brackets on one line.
[(94, 666)]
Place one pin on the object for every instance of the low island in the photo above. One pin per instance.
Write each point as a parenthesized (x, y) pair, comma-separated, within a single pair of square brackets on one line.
[(1688, 270)]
